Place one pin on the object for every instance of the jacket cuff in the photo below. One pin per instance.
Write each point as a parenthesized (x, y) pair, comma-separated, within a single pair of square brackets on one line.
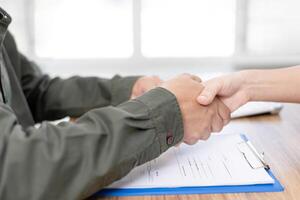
[(166, 116), (122, 88)]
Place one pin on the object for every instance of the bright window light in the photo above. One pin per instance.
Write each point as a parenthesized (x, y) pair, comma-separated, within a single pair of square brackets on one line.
[(273, 27), (83, 28), (188, 28)]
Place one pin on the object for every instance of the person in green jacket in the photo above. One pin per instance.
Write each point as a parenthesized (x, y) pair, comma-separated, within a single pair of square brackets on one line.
[(111, 135)]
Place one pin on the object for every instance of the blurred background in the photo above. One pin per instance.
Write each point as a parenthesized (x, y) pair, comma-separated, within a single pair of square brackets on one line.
[(105, 37)]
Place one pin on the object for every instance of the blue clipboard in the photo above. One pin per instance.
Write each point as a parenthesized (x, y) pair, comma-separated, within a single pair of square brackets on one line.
[(275, 187)]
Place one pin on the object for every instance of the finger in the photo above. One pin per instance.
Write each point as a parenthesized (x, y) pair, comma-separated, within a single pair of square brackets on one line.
[(225, 122), (191, 141), (196, 78), (205, 133), (211, 89), (148, 85), (191, 138), (157, 80), (224, 112), (217, 124), (205, 137), (235, 101)]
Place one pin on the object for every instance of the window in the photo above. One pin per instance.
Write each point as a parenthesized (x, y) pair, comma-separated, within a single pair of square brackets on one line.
[(83, 28), (157, 33), (188, 28), (104, 28), (274, 27)]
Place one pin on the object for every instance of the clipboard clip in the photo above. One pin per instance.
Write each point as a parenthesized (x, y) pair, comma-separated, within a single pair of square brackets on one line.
[(254, 159)]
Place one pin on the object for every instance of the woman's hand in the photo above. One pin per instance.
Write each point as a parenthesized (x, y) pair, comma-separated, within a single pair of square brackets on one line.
[(229, 88)]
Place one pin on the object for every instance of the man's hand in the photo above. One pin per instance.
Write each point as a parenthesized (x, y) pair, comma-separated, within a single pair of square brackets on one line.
[(144, 84), (229, 88), (199, 121)]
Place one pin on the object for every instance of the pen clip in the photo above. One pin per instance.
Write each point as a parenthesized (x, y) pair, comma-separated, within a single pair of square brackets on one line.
[(253, 158)]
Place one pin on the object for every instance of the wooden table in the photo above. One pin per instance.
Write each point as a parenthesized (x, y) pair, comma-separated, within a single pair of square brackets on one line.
[(279, 137)]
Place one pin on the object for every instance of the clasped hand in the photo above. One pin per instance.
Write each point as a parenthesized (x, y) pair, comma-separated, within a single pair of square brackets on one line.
[(199, 121)]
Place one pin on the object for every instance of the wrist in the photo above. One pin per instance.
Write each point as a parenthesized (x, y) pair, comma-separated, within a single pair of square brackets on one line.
[(166, 114), (247, 83), (254, 83)]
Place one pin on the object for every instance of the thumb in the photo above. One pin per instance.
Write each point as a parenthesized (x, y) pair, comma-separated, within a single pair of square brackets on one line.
[(211, 89), (235, 101)]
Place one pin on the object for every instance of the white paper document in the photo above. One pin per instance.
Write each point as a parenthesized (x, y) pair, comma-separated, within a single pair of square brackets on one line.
[(257, 108), (216, 162)]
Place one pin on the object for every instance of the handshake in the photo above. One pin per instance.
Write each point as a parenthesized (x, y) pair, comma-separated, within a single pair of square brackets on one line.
[(203, 108)]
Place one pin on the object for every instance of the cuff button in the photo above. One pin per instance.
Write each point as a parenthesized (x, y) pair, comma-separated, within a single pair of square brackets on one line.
[(170, 140)]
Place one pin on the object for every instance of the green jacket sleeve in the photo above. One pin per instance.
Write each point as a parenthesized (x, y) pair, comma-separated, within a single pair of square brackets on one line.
[(73, 160), (51, 99)]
